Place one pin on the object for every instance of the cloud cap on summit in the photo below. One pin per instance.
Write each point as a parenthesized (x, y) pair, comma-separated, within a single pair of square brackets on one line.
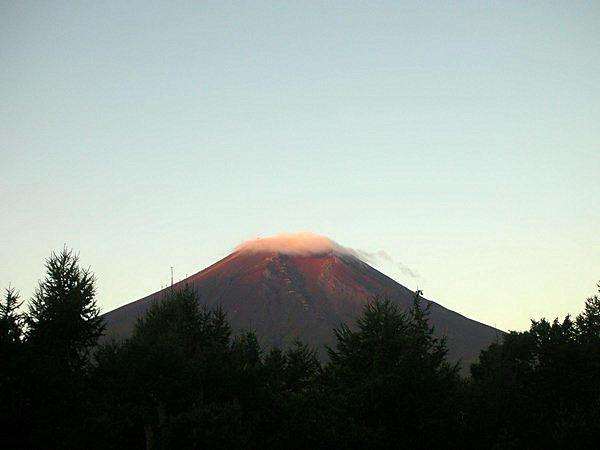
[(298, 243)]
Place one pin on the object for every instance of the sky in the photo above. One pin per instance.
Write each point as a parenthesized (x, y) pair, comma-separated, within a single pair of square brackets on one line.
[(459, 141)]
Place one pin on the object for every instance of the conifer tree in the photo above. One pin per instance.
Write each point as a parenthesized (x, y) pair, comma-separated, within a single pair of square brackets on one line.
[(10, 321), (64, 321), (390, 380), (11, 368), (63, 324), (588, 322)]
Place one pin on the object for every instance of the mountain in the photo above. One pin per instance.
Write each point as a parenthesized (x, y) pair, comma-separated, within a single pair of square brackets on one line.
[(303, 287)]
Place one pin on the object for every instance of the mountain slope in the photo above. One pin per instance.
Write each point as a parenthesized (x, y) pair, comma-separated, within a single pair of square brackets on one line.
[(287, 296)]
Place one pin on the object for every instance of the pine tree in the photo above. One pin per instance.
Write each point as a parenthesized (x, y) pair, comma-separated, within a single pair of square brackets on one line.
[(10, 322), (391, 381), (12, 417), (62, 326), (588, 322), (63, 321), (539, 388)]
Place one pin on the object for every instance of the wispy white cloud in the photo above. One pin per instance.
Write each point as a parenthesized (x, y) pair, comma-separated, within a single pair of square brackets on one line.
[(374, 257)]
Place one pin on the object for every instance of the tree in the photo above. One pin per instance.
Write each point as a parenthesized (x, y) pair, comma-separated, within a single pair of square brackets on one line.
[(539, 388), (63, 325), (11, 322), (588, 322), (294, 379), (301, 367), (391, 379), (11, 367), (63, 321), (170, 385)]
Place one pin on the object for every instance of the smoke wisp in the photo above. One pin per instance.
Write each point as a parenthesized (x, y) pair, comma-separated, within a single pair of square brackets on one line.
[(384, 256)]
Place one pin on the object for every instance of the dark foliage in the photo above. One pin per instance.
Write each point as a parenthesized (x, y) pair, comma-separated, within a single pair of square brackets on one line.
[(63, 322), (46, 376), (540, 388), (11, 364), (183, 381), (390, 381), (10, 322)]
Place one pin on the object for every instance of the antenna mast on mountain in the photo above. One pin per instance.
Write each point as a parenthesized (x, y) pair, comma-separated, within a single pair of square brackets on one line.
[(171, 276)]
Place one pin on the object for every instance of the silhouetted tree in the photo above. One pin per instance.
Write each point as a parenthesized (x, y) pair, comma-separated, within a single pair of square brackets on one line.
[(301, 367), (11, 321), (11, 369), (300, 405), (391, 380), (539, 388), (63, 322), (173, 379), (588, 322), (63, 325)]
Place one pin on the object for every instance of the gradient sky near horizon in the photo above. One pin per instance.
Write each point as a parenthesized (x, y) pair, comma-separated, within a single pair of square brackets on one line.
[(461, 138)]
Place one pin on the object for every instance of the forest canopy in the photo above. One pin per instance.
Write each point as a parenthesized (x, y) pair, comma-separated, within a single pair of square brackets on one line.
[(184, 380)]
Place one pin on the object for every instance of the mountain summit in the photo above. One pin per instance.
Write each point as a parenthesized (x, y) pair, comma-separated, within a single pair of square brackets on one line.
[(302, 285), (301, 243)]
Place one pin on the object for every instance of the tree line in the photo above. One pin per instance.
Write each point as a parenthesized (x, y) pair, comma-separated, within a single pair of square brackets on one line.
[(184, 380)]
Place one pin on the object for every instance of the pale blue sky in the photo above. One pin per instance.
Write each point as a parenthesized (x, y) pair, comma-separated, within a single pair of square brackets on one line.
[(462, 138)]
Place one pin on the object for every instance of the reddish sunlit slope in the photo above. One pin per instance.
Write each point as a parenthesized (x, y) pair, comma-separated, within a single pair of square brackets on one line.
[(287, 296)]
